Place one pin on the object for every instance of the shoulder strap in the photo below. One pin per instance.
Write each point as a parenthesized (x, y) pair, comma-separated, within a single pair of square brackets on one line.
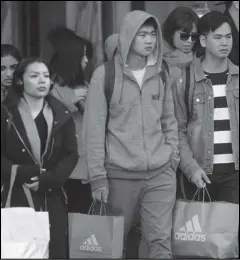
[(109, 81), (165, 66), (164, 72), (187, 88)]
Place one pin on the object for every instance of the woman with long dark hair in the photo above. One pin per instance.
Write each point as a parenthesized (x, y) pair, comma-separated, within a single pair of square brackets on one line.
[(38, 149), (10, 57), (180, 36), (67, 65)]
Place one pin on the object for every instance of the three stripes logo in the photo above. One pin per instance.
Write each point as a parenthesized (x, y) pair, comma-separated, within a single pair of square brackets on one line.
[(191, 231), (91, 244)]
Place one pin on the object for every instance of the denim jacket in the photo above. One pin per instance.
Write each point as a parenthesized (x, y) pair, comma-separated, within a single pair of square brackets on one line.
[(196, 132)]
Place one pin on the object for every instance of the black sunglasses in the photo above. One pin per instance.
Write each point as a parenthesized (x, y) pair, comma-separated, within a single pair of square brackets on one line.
[(185, 36)]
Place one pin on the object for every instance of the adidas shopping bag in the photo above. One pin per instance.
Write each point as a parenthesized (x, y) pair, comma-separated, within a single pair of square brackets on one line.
[(205, 229), (95, 236)]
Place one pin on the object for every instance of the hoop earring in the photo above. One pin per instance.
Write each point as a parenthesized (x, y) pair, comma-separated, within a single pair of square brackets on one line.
[(19, 83)]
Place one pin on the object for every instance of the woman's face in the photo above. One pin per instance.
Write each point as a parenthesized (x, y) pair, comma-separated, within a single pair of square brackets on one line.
[(8, 66), (36, 80), (84, 60), (185, 41)]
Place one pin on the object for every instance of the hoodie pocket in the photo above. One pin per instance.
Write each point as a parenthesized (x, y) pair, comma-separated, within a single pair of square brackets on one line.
[(123, 115)]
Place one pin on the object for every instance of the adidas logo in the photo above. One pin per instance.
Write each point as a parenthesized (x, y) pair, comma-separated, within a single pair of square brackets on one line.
[(191, 231), (91, 244)]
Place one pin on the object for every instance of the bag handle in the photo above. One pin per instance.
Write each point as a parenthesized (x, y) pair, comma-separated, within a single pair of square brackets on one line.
[(182, 188), (102, 207), (198, 193), (25, 189), (183, 192)]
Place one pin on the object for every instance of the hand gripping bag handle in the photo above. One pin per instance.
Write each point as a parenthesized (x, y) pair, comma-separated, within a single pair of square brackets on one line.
[(198, 192), (102, 208)]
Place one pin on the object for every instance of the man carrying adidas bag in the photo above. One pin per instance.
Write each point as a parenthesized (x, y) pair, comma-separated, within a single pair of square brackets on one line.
[(132, 144), (208, 122)]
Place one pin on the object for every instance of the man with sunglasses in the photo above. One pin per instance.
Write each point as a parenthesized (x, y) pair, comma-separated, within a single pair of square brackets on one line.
[(209, 122)]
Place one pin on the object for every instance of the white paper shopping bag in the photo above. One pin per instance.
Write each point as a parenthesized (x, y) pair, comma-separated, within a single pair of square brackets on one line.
[(24, 233)]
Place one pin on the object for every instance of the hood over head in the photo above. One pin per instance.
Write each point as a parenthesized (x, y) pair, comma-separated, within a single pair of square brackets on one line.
[(132, 22), (111, 45)]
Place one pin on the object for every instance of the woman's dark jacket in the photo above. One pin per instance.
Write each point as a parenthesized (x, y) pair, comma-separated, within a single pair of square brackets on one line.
[(59, 161)]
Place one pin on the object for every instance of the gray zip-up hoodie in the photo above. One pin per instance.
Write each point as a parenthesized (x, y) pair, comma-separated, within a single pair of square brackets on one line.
[(142, 133)]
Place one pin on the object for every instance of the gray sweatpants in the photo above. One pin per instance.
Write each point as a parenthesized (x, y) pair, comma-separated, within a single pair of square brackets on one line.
[(153, 199)]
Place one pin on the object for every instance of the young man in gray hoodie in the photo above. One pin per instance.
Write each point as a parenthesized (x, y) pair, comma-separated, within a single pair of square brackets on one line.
[(133, 158)]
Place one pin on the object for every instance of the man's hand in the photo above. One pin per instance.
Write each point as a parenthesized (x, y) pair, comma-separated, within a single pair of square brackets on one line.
[(35, 185), (200, 179), (42, 170), (101, 194), (81, 93)]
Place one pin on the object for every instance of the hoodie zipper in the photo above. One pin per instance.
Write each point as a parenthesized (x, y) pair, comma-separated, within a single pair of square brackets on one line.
[(144, 144)]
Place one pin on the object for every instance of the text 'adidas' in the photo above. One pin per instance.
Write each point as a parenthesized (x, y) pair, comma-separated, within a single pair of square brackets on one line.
[(192, 231), (91, 245), (190, 236)]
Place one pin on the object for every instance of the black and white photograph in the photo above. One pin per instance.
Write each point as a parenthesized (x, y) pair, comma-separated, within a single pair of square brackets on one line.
[(120, 129)]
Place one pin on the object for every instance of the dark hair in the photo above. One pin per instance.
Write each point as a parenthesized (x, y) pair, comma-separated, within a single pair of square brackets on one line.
[(150, 22), (59, 36), (179, 18), (10, 50), (212, 21), (17, 82), (65, 64)]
